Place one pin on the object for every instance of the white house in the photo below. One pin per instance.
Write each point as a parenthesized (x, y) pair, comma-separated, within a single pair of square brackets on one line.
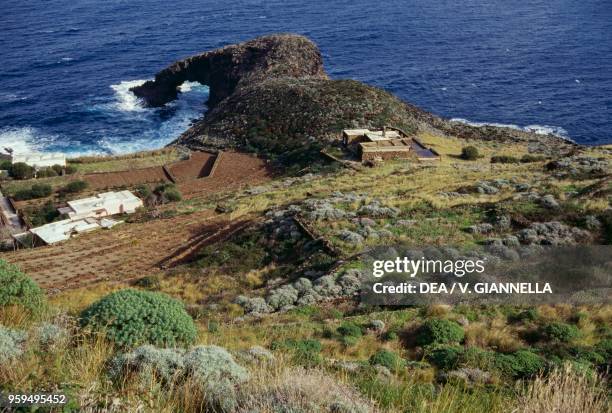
[(102, 205), (40, 160), (63, 230)]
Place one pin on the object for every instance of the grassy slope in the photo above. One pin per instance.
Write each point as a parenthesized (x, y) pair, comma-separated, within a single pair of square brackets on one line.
[(414, 188)]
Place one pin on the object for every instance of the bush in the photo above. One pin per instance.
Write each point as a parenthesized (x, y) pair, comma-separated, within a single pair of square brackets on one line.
[(41, 190), (349, 341), (6, 165), (390, 336), (445, 358), (143, 191), (349, 329), (560, 332), (43, 215), (75, 186), (504, 159), (18, 289), (528, 315), (21, 170), (46, 173), (532, 158), (519, 365), (11, 343), (305, 352), (470, 153), (387, 359), (51, 335), (36, 191), (211, 368), (167, 193), (439, 331), (131, 317), (22, 195), (70, 169), (58, 169), (173, 195)]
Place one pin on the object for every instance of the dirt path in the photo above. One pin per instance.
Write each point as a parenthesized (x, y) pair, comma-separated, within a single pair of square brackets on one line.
[(14, 223)]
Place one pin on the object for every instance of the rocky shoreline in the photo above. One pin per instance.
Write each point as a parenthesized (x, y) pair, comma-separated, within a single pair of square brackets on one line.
[(272, 92)]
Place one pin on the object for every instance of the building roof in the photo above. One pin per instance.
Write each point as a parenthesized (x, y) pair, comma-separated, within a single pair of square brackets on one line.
[(378, 135), (62, 230), (394, 145), (33, 158), (356, 132), (102, 201)]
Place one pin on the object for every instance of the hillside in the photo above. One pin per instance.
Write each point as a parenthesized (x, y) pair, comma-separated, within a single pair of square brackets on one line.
[(243, 293), (271, 95)]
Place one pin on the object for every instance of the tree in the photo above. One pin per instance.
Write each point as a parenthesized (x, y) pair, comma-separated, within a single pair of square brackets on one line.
[(21, 170)]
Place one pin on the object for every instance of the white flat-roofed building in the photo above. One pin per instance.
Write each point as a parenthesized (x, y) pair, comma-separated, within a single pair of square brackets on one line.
[(40, 160), (104, 204), (63, 230)]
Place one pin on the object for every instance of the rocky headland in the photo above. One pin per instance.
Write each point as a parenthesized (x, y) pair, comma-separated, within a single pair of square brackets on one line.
[(272, 95)]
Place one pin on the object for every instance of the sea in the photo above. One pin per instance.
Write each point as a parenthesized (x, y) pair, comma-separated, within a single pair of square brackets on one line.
[(67, 66)]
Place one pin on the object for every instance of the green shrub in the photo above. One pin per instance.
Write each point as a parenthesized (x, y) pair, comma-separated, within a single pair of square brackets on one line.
[(6, 165), (131, 317), (18, 289), (46, 173), (560, 332), (518, 365), (58, 169), (75, 186), (476, 357), (528, 315), (143, 191), (386, 358), (167, 193), (41, 190), (445, 357), (43, 215), (390, 336), (349, 341), (21, 170), (350, 329), (504, 159), (532, 158), (70, 169), (470, 153), (439, 331), (305, 352), (173, 195), (22, 195)]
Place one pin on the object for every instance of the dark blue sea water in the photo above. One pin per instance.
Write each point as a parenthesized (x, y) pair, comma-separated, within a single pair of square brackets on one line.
[(66, 66)]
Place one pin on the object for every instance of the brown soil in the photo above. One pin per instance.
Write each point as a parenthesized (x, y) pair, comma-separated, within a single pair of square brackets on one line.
[(197, 166), (133, 250), (108, 180), (232, 171), (125, 252)]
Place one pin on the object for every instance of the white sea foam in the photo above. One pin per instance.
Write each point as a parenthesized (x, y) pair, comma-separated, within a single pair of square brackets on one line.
[(537, 129), (188, 86), (126, 100), (156, 130)]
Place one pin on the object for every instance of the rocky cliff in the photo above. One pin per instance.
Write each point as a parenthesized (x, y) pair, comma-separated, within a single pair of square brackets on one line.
[(229, 68), (272, 95)]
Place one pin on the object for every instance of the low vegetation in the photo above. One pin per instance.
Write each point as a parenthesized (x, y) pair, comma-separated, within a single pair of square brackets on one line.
[(267, 319)]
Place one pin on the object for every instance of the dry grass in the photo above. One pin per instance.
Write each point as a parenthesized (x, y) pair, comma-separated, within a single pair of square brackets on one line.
[(300, 390), (565, 391), (494, 334)]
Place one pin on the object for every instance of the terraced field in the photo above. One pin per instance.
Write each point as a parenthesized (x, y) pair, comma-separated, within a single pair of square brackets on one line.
[(127, 251)]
